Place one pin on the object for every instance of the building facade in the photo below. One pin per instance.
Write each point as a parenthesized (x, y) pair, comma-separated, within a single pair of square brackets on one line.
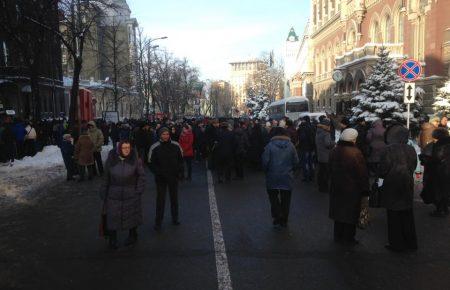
[(241, 74), (346, 36), (30, 60), (299, 78)]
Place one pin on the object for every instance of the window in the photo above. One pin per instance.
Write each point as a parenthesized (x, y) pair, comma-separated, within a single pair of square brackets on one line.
[(297, 107), (401, 28), (5, 53), (387, 29)]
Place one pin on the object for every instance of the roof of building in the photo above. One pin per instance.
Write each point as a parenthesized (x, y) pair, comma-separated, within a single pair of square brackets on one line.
[(292, 33)]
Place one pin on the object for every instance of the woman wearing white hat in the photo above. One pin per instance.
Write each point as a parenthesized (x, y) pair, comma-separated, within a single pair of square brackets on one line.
[(349, 183)]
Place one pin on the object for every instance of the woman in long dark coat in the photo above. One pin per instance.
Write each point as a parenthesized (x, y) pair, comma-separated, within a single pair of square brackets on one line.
[(398, 162), (125, 182), (349, 184)]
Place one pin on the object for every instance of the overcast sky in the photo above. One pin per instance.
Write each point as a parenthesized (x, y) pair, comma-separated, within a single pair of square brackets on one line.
[(212, 33)]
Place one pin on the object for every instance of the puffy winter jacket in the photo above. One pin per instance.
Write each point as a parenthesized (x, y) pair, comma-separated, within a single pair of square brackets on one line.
[(187, 143), (279, 161)]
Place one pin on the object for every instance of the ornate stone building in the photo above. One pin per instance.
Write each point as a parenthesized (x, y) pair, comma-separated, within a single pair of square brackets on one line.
[(346, 36), (241, 72)]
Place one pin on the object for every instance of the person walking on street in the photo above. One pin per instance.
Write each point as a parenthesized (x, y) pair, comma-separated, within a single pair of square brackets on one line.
[(122, 195), (67, 152), (375, 141), (279, 161), (324, 144), (398, 162), (84, 155), (165, 159), (187, 145), (223, 153), (241, 144), (349, 184), (9, 141), (30, 140), (441, 177), (306, 145), (97, 138)]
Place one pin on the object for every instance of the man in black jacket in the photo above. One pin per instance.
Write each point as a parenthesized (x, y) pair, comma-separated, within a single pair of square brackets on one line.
[(165, 159)]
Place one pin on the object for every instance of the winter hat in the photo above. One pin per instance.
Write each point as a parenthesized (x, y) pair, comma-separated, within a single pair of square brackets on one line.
[(279, 131), (163, 130), (325, 122), (349, 135)]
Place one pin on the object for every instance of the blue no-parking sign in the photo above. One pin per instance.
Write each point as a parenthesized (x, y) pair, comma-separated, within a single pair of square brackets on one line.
[(410, 70)]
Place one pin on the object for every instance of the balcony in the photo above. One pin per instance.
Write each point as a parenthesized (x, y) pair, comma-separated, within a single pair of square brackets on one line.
[(367, 52)]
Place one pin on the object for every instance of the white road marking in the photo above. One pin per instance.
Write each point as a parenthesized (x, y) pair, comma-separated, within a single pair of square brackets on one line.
[(223, 271)]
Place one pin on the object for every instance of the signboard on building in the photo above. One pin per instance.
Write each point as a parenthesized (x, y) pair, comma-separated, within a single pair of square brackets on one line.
[(111, 116)]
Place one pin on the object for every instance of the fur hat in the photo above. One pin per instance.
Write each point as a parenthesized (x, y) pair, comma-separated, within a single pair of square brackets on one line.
[(349, 135)]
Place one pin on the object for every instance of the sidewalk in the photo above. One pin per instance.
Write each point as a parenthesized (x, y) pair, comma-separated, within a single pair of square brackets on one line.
[(31, 173)]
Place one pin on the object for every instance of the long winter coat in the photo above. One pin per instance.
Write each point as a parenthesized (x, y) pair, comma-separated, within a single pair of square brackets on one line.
[(125, 182), (223, 151), (425, 137), (349, 182), (324, 144), (67, 151), (375, 139), (187, 143), (398, 162), (441, 166), (279, 161), (96, 137), (306, 140), (84, 151), (241, 142)]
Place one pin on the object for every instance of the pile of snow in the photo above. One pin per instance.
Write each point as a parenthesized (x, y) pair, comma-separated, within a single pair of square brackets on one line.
[(31, 173)]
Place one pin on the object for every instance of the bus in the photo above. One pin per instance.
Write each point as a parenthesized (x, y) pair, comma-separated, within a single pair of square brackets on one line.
[(292, 108)]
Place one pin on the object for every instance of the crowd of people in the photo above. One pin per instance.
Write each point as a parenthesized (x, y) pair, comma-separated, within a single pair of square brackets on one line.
[(350, 160)]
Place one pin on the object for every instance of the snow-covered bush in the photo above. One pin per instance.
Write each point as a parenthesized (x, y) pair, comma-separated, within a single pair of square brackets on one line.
[(258, 103), (441, 105)]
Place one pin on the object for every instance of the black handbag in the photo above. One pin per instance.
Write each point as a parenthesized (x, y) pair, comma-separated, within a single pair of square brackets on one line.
[(375, 195)]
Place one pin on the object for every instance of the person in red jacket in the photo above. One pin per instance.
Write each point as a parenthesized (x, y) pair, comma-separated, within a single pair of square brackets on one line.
[(186, 142)]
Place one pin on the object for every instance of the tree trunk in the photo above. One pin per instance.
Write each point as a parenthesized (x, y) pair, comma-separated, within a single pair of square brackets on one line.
[(74, 91), (35, 96)]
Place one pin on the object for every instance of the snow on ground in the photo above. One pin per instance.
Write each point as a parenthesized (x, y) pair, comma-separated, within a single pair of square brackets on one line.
[(32, 173)]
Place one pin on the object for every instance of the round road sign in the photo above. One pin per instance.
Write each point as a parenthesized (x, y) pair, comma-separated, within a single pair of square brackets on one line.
[(410, 70)]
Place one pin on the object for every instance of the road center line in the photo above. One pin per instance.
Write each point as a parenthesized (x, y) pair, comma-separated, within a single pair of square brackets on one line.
[(223, 271)]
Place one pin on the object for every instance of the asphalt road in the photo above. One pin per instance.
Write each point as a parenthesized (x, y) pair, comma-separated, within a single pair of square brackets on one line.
[(51, 242)]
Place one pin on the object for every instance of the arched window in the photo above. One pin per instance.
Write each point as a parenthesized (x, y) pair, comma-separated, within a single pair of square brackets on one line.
[(387, 27), (401, 28), (376, 33)]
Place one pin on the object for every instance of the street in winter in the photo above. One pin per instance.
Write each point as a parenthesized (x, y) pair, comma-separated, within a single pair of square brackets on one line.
[(224, 145)]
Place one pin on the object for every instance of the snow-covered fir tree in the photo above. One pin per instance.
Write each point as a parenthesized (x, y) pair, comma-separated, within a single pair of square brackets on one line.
[(441, 105), (381, 96), (258, 102)]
